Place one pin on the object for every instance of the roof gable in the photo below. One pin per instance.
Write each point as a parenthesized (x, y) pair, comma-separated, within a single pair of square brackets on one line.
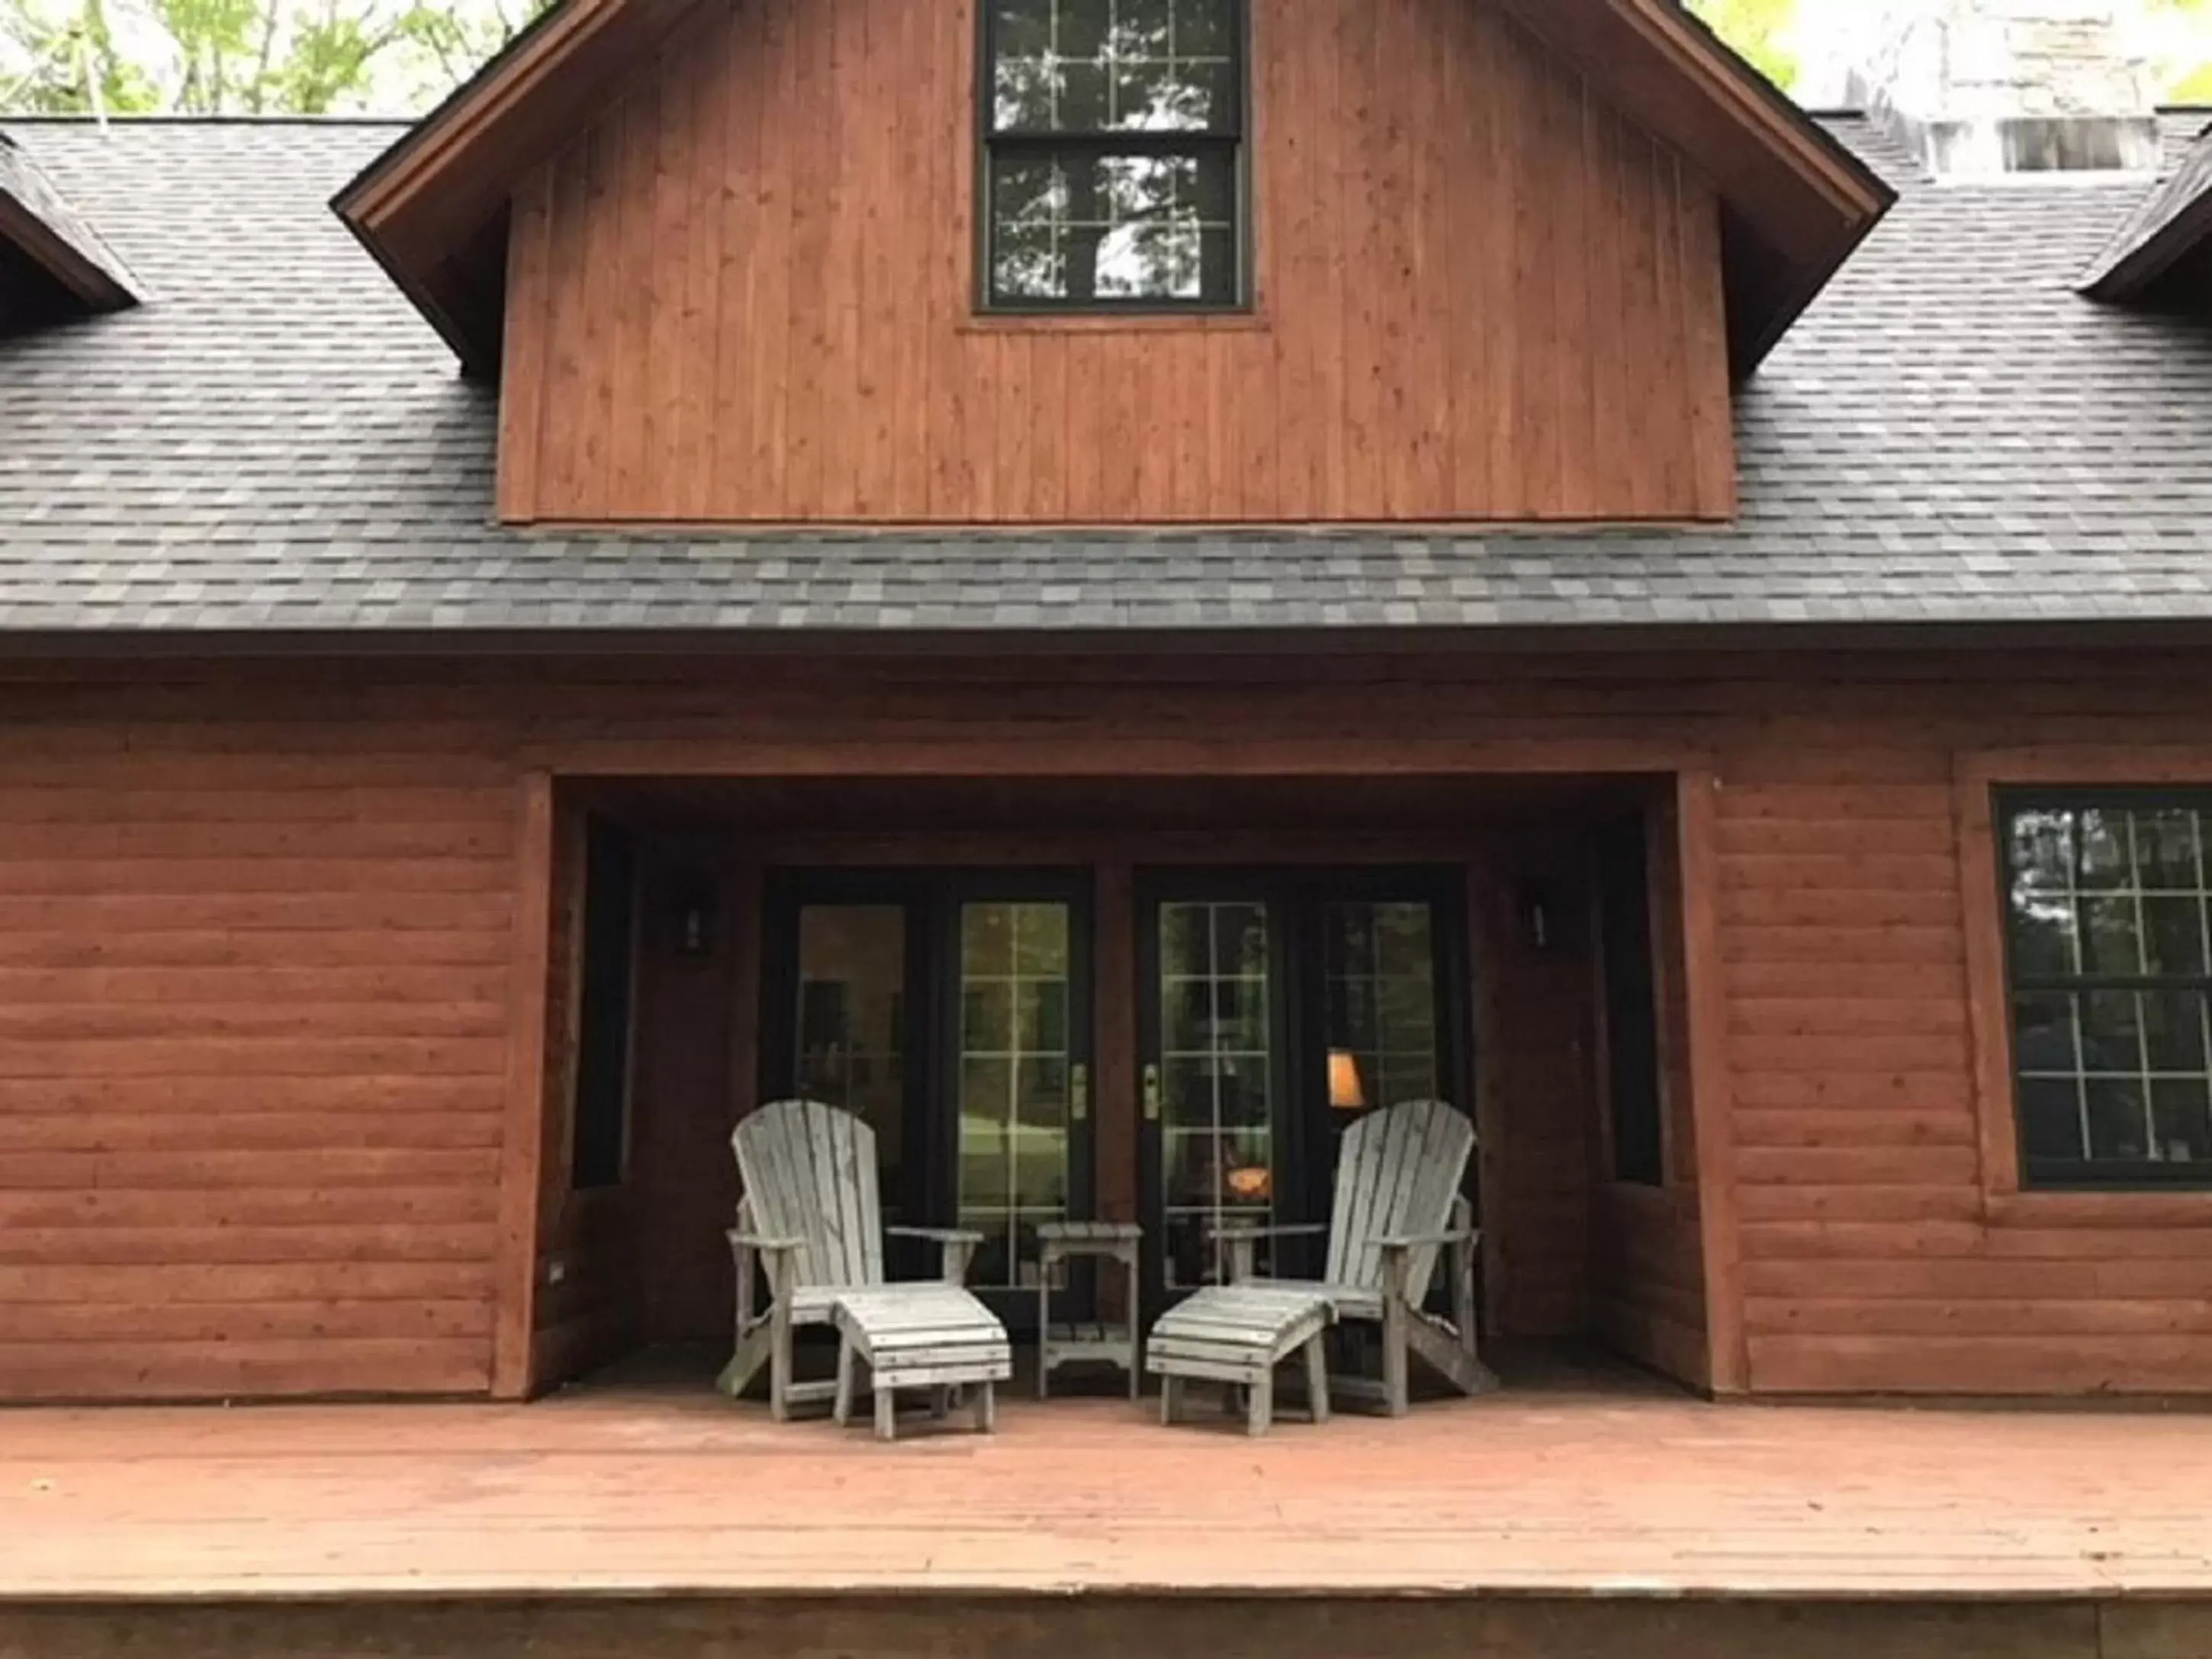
[(2169, 232), (432, 208), (52, 262)]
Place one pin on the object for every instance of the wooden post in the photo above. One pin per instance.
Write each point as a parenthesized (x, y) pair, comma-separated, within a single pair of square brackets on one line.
[(1712, 1096), (522, 1137)]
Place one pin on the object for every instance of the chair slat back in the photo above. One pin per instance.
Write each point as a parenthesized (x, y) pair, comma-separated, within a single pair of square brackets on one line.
[(809, 1174), (1397, 1173)]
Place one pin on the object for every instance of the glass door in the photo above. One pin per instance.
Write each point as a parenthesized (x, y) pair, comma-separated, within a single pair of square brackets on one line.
[(1276, 1011), (951, 1012), (1215, 1021), (1020, 1083)]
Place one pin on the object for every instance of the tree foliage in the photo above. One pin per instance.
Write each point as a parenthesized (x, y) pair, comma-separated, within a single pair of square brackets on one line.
[(243, 57), (1761, 30)]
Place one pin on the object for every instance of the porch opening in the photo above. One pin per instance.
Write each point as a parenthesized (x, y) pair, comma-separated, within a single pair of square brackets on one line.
[(1152, 1000)]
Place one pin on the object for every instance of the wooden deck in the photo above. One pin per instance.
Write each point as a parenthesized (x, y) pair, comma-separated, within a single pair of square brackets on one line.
[(659, 1491)]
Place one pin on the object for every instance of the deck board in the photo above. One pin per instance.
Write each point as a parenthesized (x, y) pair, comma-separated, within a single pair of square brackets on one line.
[(638, 1492)]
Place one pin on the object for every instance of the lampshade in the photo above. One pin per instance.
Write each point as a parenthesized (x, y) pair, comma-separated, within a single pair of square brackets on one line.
[(1345, 1092)]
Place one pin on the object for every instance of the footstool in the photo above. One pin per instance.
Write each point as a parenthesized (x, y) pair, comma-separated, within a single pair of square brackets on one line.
[(1237, 1334), (919, 1336)]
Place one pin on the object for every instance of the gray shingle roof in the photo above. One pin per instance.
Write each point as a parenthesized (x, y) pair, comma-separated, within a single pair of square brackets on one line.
[(278, 443), (2184, 195), (25, 187)]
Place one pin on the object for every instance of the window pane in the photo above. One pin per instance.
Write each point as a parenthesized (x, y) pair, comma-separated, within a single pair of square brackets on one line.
[(1014, 1081), (2051, 1120), (2119, 1128), (1080, 227), (1088, 66), (2111, 937), (2166, 852), (1217, 1079), (2181, 1113), (852, 1024), (2044, 1035), (2108, 912)]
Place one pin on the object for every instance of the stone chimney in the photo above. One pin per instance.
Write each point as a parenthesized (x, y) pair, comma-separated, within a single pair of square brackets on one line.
[(1982, 88)]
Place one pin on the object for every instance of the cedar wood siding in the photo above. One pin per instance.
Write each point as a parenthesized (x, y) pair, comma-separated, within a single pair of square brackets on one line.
[(254, 975), (744, 292)]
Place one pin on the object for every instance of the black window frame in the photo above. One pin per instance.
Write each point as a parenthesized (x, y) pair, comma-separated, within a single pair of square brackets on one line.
[(1629, 990), (990, 144), (2086, 1174)]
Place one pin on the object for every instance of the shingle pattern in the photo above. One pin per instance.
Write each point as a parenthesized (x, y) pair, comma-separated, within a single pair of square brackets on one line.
[(1951, 436)]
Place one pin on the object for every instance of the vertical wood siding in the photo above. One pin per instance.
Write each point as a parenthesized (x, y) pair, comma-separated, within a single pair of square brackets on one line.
[(745, 293)]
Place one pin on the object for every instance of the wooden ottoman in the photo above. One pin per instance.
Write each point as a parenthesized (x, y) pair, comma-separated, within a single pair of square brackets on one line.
[(931, 1336), (1236, 1334)]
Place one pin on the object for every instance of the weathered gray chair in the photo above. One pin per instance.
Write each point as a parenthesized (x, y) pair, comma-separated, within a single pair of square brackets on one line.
[(811, 1224), (1398, 1208)]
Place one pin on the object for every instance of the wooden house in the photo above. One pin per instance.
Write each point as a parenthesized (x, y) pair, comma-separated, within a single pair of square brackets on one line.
[(1111, 584)]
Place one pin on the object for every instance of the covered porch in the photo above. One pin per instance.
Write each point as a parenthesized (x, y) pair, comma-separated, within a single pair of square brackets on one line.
[(1582, 1512), (1149, 999)]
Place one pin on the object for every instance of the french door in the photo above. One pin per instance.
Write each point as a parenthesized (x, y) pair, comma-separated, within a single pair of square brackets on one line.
[(951, 1012), (1276, 1010)]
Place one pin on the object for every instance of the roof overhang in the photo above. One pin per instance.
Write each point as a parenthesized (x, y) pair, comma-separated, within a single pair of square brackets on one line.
[(53, 251), (2171, 232), (1795, 202)]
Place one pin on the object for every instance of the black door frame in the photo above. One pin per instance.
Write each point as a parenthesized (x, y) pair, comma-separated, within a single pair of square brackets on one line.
[(932, 898), (1296, 896)]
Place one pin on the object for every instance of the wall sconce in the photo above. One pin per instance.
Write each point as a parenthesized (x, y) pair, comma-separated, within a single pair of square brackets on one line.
[(1540, 918), (693, 913), (1345, 1091)]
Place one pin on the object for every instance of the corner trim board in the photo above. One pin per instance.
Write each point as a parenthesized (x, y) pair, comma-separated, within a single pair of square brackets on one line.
[(522, 1139)]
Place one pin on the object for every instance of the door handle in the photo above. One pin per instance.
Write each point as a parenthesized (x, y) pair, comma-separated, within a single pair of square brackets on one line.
[(1079, 1092), (1151, 1094)]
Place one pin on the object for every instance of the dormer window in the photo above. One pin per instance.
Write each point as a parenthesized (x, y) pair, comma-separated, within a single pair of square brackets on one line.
[(1113, 166)]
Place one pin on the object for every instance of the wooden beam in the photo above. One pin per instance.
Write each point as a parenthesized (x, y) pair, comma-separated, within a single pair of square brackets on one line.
[(1713, 1097), (523, 1136)]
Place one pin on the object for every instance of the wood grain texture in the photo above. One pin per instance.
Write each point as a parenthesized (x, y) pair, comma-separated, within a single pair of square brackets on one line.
[(1480, 295), (257, 924), (522, 1134), (1599, 1488)]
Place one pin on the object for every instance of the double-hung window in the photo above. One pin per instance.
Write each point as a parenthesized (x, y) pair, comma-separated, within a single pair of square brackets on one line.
[(2111, 969), (1112, 175)]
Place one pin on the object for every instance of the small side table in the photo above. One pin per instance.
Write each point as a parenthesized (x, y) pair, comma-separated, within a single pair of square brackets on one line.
[(1066, 1344)]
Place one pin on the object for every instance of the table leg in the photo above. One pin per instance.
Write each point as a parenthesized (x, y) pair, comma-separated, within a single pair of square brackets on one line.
[(1133, 1315)]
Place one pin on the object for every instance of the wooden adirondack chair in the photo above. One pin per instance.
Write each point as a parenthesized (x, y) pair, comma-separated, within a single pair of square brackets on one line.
[(810, 1222), (1398, 1207)]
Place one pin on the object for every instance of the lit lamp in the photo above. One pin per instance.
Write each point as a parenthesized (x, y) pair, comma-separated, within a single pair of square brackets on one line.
[(1345, 1093)]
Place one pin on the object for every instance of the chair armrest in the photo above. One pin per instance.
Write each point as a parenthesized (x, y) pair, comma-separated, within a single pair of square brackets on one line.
[(1288, 1229), (1423, 1241), (755, 1241), (936, 1235)]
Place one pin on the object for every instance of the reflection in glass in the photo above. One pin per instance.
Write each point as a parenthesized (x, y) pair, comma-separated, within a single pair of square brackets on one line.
[(1080, 225), (1014, 1080), (1379, 961), (852, 1024), (2107, 921), (1217, 1081)]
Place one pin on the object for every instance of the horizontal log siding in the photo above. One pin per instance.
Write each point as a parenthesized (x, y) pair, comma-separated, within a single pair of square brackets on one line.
[(253, 1005), (244, 1141)]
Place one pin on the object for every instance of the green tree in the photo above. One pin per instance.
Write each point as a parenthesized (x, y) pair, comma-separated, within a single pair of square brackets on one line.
[(244, 56), (2190, 73), (1761, 30)]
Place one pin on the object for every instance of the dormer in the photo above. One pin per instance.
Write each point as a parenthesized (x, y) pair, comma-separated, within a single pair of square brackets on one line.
[(1126, 262), (53, 264)]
